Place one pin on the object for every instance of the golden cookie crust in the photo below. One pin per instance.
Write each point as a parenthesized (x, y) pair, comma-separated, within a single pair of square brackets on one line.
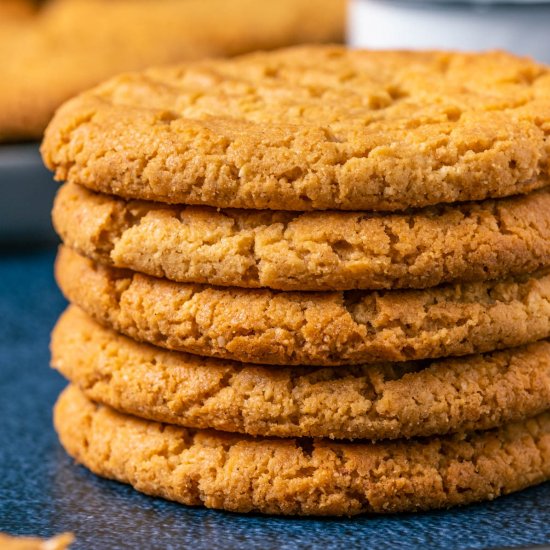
[(87, 41), (312, 128), (292, 328), (313, 250), (302, 477), (385, 401)]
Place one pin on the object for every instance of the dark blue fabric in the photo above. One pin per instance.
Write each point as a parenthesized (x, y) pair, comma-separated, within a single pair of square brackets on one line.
[(42, 492)]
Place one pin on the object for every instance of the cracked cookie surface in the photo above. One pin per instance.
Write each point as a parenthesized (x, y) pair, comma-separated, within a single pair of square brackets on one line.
[(302, 476), (385, 401), (313, 250), (321, 328), (312, 128)]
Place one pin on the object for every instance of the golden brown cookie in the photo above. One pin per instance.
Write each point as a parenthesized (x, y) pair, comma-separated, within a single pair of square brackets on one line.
[(15, 10), (302, 477), (385, 401), (332, 328), (313, 250), (312, 128), (61, 542), (71, 45)]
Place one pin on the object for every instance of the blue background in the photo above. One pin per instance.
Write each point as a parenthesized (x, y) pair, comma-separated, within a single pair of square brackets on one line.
[(43, 493)]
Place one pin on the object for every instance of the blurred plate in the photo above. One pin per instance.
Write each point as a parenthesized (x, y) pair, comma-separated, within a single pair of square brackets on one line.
[(520, 27), (27, 190)]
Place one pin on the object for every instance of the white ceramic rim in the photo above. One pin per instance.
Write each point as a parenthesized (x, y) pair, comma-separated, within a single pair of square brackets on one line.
[(467, 3)]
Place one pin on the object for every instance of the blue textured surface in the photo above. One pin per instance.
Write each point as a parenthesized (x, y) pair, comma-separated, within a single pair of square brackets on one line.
[(42, 492)]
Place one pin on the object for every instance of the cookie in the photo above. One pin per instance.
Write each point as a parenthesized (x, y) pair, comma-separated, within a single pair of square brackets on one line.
[(312, 128), (70, 45), (384, 401), (302, 476), (15, 10), (61, 542), (313, 250), (332, 328)]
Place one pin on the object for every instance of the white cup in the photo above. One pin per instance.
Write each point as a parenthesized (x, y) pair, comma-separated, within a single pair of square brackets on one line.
[(520, 27)]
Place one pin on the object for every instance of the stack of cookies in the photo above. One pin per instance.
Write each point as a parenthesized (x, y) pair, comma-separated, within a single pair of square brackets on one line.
[(312, 281)]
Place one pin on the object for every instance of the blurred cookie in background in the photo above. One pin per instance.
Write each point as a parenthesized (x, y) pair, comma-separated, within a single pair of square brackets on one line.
[(69, 45), (11, 10)]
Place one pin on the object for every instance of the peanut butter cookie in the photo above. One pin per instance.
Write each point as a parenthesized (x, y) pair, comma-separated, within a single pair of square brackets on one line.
[(312, 128), (302, 476), (300, 328), (384, 401), (309, 251)]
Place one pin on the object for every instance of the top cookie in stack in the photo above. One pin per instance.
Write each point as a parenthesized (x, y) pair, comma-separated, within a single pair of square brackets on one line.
[(312, 129), (313, 206)]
